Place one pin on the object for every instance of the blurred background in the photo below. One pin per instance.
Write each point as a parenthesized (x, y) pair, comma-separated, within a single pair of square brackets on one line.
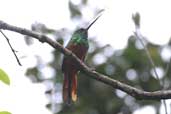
[(114, 50)]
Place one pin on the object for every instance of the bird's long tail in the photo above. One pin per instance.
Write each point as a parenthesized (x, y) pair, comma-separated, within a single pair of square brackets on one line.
[(70, 87)]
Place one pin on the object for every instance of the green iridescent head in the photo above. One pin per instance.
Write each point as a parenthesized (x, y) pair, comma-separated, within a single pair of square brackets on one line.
[(80, 36), (82, 33)]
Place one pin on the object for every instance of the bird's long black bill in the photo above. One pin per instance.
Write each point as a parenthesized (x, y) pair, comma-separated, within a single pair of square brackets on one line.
[(93, 22)]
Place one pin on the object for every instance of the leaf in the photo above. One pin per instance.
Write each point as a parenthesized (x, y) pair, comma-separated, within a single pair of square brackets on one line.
[(74, 10), (4, 77), (136, 19), (5, 112)]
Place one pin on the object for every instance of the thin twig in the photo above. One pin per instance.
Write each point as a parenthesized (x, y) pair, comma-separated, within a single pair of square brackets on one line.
[(18, 61), (165, 106), (138, 35), (167, 70), (140, 38), (165, 73)]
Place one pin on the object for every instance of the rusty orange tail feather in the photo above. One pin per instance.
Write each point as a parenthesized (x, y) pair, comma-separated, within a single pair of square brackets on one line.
[(74, 88), (70, 87), (65, 89)]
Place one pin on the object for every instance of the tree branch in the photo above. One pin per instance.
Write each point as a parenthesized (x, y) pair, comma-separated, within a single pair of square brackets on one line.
[(13, 51), (132, 91)]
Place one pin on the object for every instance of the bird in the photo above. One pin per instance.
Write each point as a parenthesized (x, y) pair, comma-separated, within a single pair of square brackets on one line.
[(78, 45)]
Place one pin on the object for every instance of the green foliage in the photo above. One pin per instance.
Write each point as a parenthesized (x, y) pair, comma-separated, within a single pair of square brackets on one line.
[(5, 112), (4, 77)]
